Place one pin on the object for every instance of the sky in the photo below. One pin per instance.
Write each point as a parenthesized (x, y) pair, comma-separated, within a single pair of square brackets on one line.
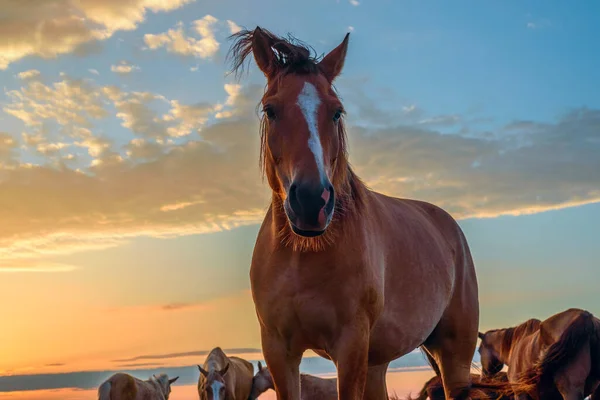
[(130, 192)]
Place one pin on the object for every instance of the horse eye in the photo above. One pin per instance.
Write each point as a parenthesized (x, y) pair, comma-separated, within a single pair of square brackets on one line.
[(268, 110), (337, 115)]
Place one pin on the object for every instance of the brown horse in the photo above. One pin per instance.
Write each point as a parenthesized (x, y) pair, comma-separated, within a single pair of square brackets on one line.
[(359, 277), (558, 358), (312, 387), (434, 389), (224, 378), (122, 386)]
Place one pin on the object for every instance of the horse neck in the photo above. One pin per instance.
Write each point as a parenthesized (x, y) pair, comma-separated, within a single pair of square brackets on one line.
[(155, 384), (511, 336), (505, 344)]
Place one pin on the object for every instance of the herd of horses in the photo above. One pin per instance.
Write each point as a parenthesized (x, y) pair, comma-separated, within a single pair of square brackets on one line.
[(362, 278), (554, 359)]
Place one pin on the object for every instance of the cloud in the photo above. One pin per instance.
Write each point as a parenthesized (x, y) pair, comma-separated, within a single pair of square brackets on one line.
[(539, 24), (354, 2), (49, 28), (193, 353), (192, 117), (176, 41), (170, 307), (34, 266), (88, 212), (233, 27), (192, 168), (71, 101), (8, 146), (30, 74), (540, 167), (143, 149), (138, 365), (440, 120), (124, 68), (93, 71)]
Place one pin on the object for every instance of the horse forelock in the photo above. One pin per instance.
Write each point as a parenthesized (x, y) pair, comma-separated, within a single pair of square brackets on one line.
[(291, 54)]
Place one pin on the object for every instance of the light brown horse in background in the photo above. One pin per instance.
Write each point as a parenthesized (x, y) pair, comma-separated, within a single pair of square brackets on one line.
[(312, 387), (551, 359), (359, 277), (225, 378), (123, 386), (433, 389)]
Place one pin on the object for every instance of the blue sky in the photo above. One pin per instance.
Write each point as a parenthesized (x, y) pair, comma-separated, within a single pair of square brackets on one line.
[(129, 166)]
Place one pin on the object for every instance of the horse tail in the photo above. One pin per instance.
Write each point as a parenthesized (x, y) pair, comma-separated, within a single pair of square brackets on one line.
[(104, 391), (581, 332)]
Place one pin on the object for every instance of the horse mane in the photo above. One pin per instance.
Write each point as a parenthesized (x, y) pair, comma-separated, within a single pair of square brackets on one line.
[(524, 329), (292, 56), (509, 334)]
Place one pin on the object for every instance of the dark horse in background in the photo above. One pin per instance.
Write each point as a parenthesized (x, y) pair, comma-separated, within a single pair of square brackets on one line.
[(558, 358), (359, 277)]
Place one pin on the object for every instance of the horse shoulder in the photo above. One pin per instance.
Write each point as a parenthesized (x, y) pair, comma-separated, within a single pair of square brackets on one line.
[(244, 370)]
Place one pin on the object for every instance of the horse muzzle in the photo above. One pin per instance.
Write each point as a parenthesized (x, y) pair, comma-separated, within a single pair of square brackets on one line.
[(309, 208)]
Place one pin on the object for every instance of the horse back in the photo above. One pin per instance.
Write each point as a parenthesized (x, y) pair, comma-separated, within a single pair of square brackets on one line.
[(314, 387), (242, 379), (421, 220), (124, 387)]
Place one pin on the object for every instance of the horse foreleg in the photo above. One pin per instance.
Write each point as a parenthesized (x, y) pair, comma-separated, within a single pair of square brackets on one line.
[(453, 349), (351, 356), (284, 366), (376, 387)]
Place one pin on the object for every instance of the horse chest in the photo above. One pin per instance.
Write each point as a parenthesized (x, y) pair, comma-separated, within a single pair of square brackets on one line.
[(305, 300)]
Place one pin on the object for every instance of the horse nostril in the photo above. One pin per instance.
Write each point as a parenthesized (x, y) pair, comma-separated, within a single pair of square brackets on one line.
[(293, 199), (331, 199)]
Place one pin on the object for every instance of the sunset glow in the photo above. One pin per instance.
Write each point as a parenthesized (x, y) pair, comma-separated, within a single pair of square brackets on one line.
[(131, 195)]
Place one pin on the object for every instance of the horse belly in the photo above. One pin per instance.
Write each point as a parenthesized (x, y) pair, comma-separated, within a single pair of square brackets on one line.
[(398, 333), (411, 311)]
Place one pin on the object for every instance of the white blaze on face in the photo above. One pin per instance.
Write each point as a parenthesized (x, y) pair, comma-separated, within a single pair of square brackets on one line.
[(308, 101), (216, 387)]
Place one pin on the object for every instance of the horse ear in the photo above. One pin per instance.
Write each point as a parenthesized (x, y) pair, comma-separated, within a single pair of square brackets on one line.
[(263, 53), (171, 381), (202, 371), (224, 370), (259, 366), (480, 335), (332, 64)]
